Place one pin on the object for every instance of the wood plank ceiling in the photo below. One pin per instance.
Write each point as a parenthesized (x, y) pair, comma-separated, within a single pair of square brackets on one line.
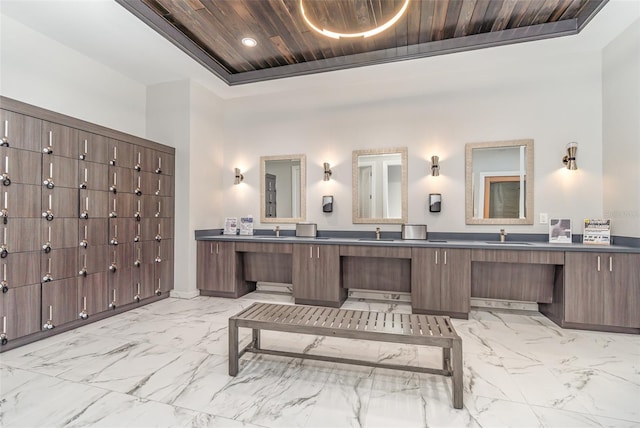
[(211, 30)]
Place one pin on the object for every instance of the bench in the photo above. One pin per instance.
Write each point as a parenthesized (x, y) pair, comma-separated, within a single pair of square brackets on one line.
[(351, 324)]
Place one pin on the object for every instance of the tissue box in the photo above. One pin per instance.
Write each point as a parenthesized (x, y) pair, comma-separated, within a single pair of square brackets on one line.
[(307, 230), (414, 231)]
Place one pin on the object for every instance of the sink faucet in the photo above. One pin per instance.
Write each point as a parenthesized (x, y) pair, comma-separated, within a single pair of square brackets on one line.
[(377, 233), (503, 235), (277, 231)]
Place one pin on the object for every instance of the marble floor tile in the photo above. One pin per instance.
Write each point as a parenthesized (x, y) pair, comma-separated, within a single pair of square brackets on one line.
[(165, 364)]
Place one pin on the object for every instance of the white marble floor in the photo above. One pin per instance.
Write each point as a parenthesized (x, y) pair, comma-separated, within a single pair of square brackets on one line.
[(165, 364)]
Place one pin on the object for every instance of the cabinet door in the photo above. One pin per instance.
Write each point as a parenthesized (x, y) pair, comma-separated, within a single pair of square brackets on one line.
[(316, 273), (143, 280), (60, 301), (120, 180), (92, 293), (21, 201), (60, 263), (21, 235), (60, 233), (157, 162), (455, 285), (59, 140), (21, 269), (216, 269), (621, 296), (21, 307), (163, 276), (120, 153), (20, 131), (93, 258), (92, 147), (61, 202), (583, 286), (304, 273), (95, 204), (121, 290), (327, 273), (425, 279), (93, 232), (59, 171), (93, 176), (21, 166), (121, 231)]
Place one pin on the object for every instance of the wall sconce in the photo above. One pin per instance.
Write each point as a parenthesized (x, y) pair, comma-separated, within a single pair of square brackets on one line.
[(569, 160), (239, 176), (327, 172), (435, 166)]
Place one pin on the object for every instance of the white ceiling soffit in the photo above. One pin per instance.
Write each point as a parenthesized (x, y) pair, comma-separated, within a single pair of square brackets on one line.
[(109, 34)]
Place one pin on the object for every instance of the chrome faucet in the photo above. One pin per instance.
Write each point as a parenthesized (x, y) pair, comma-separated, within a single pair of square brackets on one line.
[(503, 235), (277, 231), (377, 233)]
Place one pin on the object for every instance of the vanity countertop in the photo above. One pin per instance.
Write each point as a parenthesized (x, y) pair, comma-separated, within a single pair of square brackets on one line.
[(426, 243)]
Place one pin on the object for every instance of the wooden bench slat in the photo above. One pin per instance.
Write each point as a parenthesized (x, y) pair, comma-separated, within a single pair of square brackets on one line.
[(306, 314), (266, 313), (252, 310)]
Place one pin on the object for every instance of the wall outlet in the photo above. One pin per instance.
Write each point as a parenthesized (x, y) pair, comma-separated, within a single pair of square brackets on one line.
[(544, 218)]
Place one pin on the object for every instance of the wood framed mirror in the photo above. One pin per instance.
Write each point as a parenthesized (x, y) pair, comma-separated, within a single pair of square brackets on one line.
[(380, 186), (499, 182), (283, 193)]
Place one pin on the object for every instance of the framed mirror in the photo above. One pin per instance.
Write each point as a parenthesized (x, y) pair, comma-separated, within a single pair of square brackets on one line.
[(283, 189), (499, 182), (380, 186)]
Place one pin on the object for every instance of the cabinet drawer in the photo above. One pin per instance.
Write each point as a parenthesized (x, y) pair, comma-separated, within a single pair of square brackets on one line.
[(375, 251), (263, 247), (517, 256)]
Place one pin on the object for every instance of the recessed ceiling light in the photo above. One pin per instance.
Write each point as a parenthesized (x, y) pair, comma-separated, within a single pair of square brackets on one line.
[(249, 42)]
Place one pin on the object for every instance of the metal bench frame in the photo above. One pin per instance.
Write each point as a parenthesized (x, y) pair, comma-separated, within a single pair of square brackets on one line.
[(351, 324)]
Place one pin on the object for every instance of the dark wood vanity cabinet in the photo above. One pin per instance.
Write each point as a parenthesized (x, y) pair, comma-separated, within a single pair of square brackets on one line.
[(602, 289), (441, 281), (316, 275), (218, 270)]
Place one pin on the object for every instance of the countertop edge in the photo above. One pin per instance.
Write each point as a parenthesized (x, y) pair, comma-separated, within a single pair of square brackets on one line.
[(532, 246)]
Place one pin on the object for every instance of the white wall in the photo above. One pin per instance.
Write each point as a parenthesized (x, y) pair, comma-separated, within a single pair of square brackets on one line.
[(621, 132), (188, 117), (38, 70), (168, 122), (554, 101)]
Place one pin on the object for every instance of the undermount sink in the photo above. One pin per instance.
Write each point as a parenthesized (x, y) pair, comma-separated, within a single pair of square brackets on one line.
[(508, 243), (374, 239), (321, 237), (437, 240)]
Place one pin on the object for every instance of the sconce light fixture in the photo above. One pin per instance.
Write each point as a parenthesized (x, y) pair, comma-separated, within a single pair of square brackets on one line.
[(239, 176), (327, 172), (569, 160), (435, 166)]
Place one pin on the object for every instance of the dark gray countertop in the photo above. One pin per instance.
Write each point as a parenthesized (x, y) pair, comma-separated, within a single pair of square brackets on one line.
[(435, 243)]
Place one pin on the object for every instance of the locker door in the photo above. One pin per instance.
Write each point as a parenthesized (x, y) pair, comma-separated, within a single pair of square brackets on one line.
[(59, 302), (20, 311), (20, 131)]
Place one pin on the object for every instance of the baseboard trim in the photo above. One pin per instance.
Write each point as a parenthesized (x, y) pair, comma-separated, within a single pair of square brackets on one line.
[(185, 294)]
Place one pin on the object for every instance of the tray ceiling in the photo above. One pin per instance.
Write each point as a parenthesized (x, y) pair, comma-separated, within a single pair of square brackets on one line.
[(211, 30)]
